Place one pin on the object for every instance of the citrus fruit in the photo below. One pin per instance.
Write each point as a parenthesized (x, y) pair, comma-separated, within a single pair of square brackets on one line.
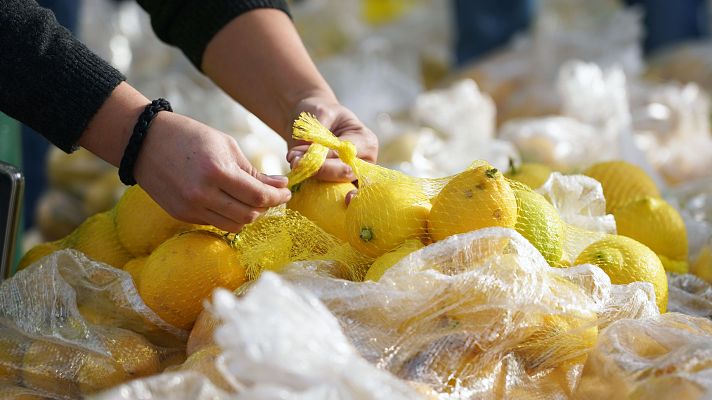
[(12, 349), (203, 361), (474, 199), (531, 174), (52, 368), (96, 238), (702, 267), (323, 203), (626, 260), (538, 222), (36, 252), (141, 224), (134, 268), (387, 260), (658, 225), (185, 270), (202, 333), (622, 183), (383, 215)]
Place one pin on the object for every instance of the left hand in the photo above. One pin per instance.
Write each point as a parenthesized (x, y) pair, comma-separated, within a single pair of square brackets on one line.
[(345, 125)]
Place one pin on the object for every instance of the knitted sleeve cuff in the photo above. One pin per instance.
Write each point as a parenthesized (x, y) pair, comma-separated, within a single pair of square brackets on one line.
[(191, 25)]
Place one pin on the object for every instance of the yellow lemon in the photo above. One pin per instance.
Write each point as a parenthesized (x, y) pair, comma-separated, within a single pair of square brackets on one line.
[(141, 224), (12, 349), (52, 368), (557, 339), (702, 267), (538, 222), (474, 199), (383, 215), (622, 183), (387, 260), (14, 392), (38, 251), (626, 260), (134, 268), (202, 334), (203, 361), (323, 203), (531, 174), (96, 237), (658, 225), (185, 270)]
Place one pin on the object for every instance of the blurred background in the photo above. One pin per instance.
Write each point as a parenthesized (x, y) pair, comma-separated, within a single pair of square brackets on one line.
[(564, 83)]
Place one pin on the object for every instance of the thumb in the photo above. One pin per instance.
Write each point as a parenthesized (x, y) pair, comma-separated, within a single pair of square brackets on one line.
[(278, 181)]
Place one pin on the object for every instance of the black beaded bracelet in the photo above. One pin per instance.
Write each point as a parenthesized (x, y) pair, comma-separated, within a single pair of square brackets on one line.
[(139, 134)]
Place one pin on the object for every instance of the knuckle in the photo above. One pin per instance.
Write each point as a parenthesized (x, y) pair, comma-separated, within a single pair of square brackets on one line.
[(193, 195), (260, 199)]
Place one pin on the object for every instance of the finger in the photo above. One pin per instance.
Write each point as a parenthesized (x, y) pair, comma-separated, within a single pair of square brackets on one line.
[(278, 181), (334, 170), (253, 192), (234, 209), (217, 220), (350, 195)]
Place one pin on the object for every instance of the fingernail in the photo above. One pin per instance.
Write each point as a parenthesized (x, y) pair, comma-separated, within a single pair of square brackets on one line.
[(295, 154), (279, 177), (295, 161)]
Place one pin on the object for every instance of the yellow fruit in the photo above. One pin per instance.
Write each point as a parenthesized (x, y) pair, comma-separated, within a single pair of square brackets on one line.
[(656, 224), (622, 183), (385, 214), (531, 174), (702, 267), (185, 270), (674, 266), (142, 224), (52, 368), (558, 339), (626, 260), (38, 251), (12, 349), (203, 361), (134, 268), (538, 222), (103, 193), (474, 199), (14, 392), (323, 203), (202, 333), (96, 238), (387, 260)]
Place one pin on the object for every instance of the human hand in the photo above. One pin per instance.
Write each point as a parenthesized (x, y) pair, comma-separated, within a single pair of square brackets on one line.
[(345, 125), (200, 175)]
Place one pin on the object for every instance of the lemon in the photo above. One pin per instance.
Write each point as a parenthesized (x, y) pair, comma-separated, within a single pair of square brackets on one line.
[(656, 224), (622, 183), (203, 361), (557, 339), (476, 198), (96, 237), (134, 268), (185, 270), (702, 267), (12, 349), (383, 215), (37, 252), (538, 222), (626, 260), (323, 203), (14, 392), (202, 334), (674, 266), (533, 175), (387, 260), (141, 224), (52, 368)]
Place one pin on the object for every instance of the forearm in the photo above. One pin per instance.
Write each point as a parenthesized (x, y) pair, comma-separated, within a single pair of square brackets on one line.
[(109, 130), (259, 60)]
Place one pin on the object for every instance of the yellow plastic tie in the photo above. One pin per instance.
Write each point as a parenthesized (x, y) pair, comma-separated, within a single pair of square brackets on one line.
[(309, 164), (308, 128)]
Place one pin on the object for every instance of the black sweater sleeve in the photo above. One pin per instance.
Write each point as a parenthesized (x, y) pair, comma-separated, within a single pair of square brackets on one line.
[(190, 24), (48, 79)]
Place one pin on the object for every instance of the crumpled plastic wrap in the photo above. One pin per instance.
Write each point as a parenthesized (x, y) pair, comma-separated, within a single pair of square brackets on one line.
[(663, 357), (279, 342), (477, 316), (71, 326), (690, 295)]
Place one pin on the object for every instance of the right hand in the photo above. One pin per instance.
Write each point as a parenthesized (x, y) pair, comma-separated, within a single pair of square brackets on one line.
[(199, 175)]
